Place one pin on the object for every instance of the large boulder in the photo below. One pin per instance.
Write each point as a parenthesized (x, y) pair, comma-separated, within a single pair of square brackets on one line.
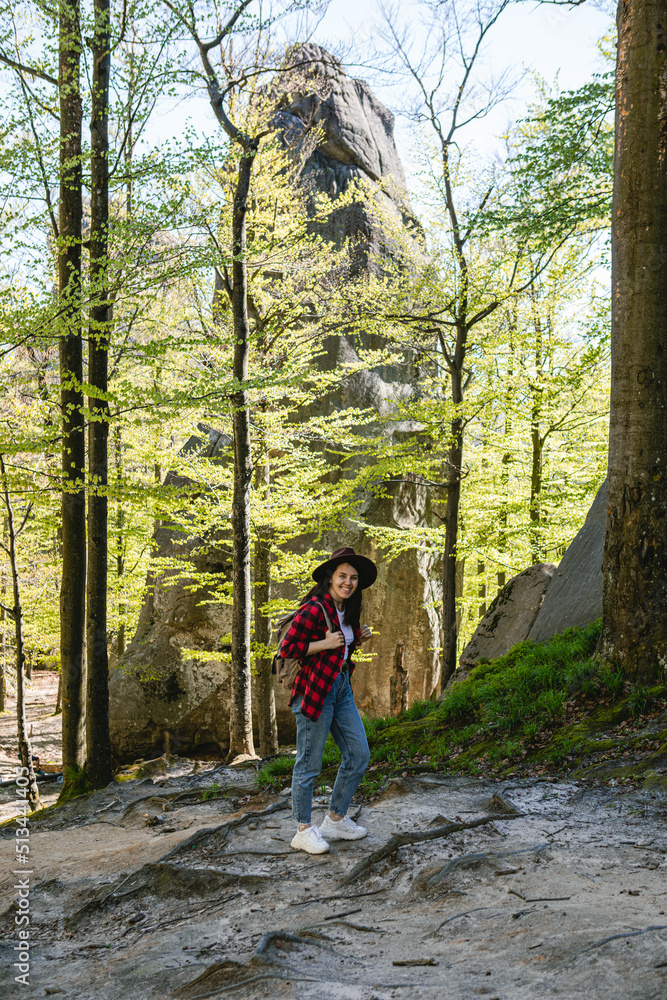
[(169, 692), (509, 618), (575, 595)]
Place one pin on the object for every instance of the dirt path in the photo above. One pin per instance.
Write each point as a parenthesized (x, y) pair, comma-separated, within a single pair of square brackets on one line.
[(567, 900), (45, 736)]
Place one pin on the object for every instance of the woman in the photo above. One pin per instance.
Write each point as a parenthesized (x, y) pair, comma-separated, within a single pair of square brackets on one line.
[(322, 698)]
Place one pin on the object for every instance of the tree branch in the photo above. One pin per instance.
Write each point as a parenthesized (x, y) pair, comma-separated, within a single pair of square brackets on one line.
[(30, 70)]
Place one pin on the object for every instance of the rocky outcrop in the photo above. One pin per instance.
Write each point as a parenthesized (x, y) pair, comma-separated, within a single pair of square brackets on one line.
[(170, 691), (545, 599), (356, 146), (509, 618), (163, 699), (575, 595)]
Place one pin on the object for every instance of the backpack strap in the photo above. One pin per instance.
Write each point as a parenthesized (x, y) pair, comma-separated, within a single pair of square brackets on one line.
[(327, 619)]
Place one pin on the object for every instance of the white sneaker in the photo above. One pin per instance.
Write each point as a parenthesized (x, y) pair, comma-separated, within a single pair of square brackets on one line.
[(342, 829), (309, 840)]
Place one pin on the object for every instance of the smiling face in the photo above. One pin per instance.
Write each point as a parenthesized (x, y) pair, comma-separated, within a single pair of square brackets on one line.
[(344, 582)]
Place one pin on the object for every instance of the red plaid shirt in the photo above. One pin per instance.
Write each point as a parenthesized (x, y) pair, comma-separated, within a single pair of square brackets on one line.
[(319, 671)]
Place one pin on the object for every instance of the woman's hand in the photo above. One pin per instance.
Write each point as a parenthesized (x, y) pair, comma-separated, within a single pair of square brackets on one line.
[(364, 633), (332, 640)]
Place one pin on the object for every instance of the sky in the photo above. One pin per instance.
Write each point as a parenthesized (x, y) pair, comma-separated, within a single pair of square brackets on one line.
[(544, 37), (557, 42)]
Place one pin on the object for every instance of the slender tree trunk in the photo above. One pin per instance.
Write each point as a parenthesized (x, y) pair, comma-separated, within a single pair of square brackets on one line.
[(536, 472), (634, 631), (240, 714), (537, 441), (482, 589), (73, 530), (120, 537), (265, 697), (266, 701), (3, 683), (59, 695), (98, 747), (17, 616), (503, 540), (455, 460), (3, 632)]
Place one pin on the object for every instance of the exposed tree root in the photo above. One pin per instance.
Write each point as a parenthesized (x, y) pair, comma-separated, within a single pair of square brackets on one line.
[(324, 899), (270, 854), (229, 824), (357, 927), (457, 915), (169, 797), (616, 937), (254, 979), (260, 952), (184, 917), (406, 839), (346, 913)]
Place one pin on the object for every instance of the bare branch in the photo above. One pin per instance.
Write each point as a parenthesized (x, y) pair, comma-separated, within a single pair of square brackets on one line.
[(30, 70)]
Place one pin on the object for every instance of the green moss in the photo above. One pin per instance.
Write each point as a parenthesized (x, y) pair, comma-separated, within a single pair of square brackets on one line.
[(75, 784), (544, 706), (510, 714)]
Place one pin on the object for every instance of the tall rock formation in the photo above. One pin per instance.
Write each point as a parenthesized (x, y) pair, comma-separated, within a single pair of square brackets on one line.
[(357, 147), (160, 697)]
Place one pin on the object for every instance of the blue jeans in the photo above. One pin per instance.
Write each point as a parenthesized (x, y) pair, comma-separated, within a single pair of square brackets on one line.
[(341, 716)]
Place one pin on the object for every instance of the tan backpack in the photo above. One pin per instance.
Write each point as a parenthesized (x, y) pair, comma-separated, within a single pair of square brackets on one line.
[(286, 667)]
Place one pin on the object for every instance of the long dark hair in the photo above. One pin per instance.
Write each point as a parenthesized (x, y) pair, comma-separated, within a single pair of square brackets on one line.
[(351, 605)]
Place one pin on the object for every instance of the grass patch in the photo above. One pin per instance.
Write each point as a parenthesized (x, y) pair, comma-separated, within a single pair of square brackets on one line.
[(522, 711), (211, 793), (543, 707), (272, 775)]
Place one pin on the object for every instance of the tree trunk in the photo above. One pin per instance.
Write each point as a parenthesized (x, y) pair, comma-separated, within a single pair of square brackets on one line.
[(3, 632), (455, 459), (536, 472), (240, 714), (17, 616), (266, 701), (73, 530), (482, 589), (634, 632), (506, 461), (537, 441), (98, 746), (120, 537), (3, 683)]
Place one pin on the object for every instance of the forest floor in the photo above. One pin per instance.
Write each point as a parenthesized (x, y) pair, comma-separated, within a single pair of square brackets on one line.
[(178, 881), (44, 729)]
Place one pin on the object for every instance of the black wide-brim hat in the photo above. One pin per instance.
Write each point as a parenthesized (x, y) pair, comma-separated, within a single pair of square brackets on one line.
[(366, 567)]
